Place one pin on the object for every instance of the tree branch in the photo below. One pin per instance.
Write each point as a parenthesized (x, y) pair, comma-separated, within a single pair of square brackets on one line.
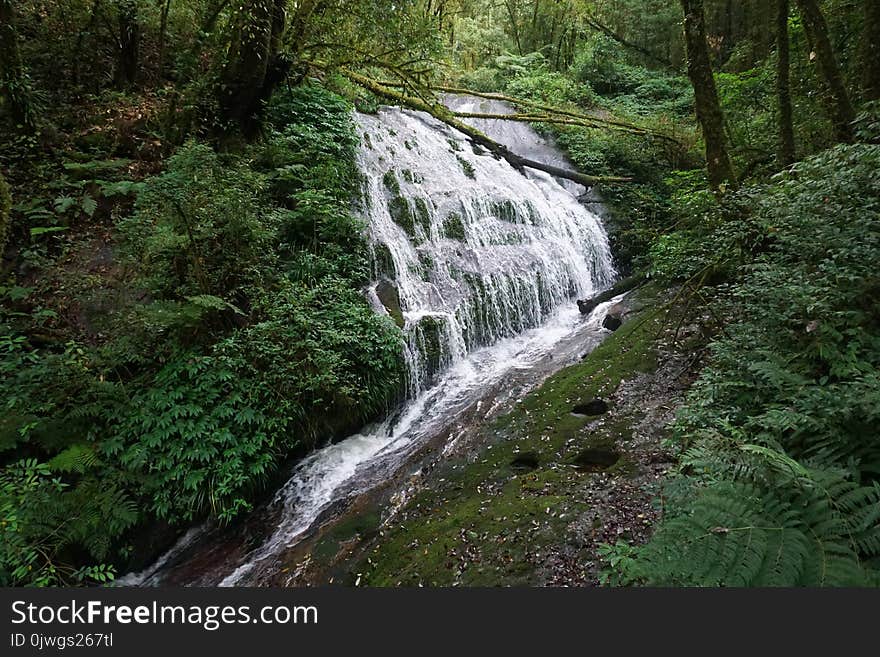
[(443, 114)]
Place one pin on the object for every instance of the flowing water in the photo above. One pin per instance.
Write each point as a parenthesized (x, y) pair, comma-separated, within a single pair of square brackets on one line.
[(481, 265)]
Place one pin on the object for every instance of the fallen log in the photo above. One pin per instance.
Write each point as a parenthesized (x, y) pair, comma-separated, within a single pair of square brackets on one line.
[(442, 113), (626, 285)]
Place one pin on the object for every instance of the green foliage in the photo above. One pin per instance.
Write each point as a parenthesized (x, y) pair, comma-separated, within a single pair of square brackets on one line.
[(807, 532), (198, 228), (325, 366), (782, 458), (49, 509), (240, 338), (197, 440)]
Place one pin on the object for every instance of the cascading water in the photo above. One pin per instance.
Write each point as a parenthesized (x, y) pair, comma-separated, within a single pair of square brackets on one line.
[(480, 264)]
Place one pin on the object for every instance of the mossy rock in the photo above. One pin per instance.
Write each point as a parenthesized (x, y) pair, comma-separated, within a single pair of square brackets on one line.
[(392, 184), (430, 334), (426, 260), (467, 167), (383, 263), (453, 227), (402, 215), (506, 210), (422, 214), (406, 214), (412, 178)]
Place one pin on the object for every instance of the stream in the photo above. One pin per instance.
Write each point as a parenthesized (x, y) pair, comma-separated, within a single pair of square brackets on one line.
[(481, 263)]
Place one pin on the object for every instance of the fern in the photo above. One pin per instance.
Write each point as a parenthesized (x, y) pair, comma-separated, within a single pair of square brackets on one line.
[(780, 447)]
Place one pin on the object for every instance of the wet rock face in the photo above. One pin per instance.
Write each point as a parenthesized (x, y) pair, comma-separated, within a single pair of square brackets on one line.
[(390, 298), (591, 408)]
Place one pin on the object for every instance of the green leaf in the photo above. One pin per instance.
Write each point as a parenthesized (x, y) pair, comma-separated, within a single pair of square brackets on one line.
[(45, 230)]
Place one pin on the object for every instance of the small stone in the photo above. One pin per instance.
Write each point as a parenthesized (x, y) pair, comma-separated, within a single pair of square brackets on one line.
[(612, 322)]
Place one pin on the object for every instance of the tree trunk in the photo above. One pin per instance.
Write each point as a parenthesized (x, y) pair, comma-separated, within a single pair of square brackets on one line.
[(250, 75), (163, 33), (871, 50), (129, 43), (14, 89), (514, 26), (706, 96), (5, 210), (78, 54), (592, 22), (783, 86), (842, 112)]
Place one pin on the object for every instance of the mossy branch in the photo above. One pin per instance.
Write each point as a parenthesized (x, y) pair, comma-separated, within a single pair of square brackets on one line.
[(590, 121), (442, 113)]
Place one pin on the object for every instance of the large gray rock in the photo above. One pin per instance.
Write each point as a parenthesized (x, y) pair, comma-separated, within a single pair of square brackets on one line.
[(388, 294)]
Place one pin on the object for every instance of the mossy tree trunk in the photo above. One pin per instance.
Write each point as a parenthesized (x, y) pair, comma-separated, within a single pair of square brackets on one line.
[(783, 86), (14, 89), (822, 53), (254, 66), (708, 108), (5, 210), (871, 50)]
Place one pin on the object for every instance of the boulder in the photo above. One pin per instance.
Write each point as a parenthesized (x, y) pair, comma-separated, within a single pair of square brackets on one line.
[(390, 298), (612, 322)]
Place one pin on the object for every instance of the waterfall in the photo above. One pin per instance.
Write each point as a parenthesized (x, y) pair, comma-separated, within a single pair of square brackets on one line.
[(480, 264), (471, 250)]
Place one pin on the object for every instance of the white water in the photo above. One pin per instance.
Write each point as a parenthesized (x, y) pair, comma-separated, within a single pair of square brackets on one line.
[(477, 310)]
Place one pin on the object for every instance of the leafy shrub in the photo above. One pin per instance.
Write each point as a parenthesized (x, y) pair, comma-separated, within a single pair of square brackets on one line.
[(602, 65), (325, 366), (198, 228), (552, 88), (197, 440)]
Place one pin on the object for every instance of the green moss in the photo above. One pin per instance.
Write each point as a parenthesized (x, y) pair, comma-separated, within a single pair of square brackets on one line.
[(412, 178), (430, 334), (422, 214), (467, 167), (453, 227), (392, 184), (406, 214), (402, 215), (383, 263), (506, 210), (357, 527), (428, 264)]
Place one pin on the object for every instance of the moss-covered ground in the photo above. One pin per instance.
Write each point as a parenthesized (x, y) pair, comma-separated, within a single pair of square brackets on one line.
[(490, 514)]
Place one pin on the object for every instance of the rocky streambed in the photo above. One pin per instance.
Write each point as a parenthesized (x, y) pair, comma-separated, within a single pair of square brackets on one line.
[(526, 497)]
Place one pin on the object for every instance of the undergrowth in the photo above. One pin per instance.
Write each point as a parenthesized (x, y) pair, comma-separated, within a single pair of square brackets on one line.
[(779, 482), (233, 335)]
